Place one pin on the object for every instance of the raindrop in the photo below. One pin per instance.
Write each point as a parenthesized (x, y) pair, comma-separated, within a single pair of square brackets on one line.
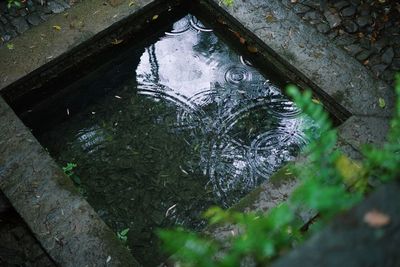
[(237, 75)]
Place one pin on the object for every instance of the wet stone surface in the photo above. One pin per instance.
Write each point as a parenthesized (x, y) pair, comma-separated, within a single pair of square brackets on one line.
[(179, 125), (15, 21), (368, 30)]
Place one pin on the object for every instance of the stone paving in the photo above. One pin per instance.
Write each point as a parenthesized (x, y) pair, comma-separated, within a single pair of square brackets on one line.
[(368, 30), (15, 21)]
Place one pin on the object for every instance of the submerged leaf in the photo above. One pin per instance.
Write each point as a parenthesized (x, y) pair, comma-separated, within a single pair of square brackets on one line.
[(116, 41), (252, 49)]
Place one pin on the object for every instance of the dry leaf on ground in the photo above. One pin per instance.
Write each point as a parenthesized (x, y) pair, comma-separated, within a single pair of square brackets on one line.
[(376, 219)]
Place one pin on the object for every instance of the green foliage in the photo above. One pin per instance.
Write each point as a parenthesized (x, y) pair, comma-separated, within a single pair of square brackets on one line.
[(228, 2), (193, 250), (69, 170), (329, 183), (123, 235), (323, 187), (14, 3)]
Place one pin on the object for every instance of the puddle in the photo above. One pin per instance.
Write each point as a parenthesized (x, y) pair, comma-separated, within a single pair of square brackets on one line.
[(173, 128)]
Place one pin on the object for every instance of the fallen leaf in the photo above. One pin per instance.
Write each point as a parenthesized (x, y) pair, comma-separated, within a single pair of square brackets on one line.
[(382, 103), (154, 17), (132, 3), (270, 17), (56, 27), (116, 41), (376, 219), (10, 46)]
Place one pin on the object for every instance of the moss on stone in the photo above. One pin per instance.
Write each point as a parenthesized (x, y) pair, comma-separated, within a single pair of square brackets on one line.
[(282, 175)]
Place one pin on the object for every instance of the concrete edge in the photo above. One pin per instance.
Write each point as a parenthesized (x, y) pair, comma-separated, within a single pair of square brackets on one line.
[(61, 34), (351, 239), (62, 221)]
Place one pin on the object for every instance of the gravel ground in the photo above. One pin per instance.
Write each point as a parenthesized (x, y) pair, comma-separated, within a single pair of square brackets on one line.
[(15, 21), (368, 30)]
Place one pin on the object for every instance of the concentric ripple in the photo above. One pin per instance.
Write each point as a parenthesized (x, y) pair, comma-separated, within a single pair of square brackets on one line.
[(245, 62), (186, 125), (180, 27), (283, 108), (198, 25), (273, 148), (237, 75)]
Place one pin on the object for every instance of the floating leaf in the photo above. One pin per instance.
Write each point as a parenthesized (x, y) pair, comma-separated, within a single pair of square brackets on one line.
[(376, 219), (132, 3), (57, 27), (10, 46), (252, 49), (382, 103), (154, 17)]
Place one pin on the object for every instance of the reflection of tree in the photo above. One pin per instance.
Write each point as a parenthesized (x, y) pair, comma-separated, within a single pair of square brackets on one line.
[(208, 44), (154, 67)]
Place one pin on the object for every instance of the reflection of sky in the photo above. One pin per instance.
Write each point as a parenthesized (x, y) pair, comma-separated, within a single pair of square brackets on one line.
[(188, 74), (216, 92)]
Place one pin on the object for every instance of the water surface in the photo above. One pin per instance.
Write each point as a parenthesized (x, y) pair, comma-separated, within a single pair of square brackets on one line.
[(173, 128)]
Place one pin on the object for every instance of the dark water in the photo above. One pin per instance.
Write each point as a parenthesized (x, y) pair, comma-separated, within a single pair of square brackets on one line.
[(182, 124)]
